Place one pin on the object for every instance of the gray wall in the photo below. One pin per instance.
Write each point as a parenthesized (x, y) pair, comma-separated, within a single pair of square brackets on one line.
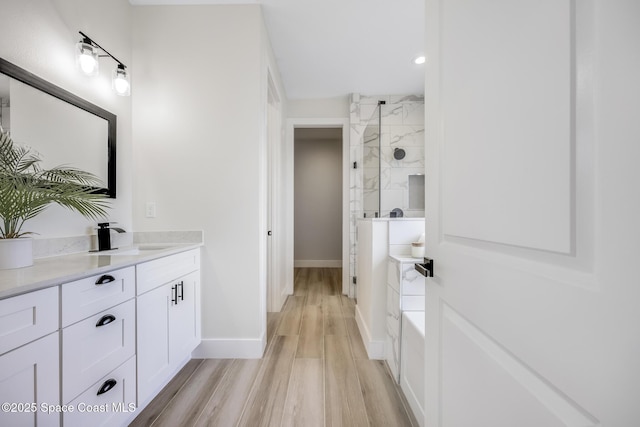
[(318, 196)]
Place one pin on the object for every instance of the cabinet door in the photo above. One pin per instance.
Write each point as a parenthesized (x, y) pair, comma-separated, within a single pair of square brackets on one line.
[(31, 375), (153, 341), (184, 318)]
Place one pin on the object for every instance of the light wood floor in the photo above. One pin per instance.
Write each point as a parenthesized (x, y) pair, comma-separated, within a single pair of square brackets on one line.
[(315, 372)]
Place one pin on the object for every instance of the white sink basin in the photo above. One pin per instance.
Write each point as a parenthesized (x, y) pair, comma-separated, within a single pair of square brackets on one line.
[(131, 251)]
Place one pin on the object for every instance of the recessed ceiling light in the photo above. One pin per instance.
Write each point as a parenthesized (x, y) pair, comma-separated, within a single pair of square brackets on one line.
[(420, 59)]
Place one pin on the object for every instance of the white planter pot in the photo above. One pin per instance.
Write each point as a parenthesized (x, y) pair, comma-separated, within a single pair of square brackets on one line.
[(16, 253)]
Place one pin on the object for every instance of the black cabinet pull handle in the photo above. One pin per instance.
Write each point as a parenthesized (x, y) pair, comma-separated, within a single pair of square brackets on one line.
[(108, 385), (105, 320), (106, 278), (174, 294), (181, 284)]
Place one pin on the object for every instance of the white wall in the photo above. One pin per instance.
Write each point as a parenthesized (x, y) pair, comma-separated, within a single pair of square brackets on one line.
[(200, 126), (40, 36), (318, 199), (328, 108)]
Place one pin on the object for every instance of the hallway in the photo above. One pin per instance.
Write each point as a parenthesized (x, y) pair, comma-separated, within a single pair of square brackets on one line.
[(315, 372)]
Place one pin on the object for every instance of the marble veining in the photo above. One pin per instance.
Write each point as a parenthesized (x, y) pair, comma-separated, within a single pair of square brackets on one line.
[(401, 126)]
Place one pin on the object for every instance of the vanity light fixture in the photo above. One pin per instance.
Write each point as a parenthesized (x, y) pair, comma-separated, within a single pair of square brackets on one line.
[(87, 57), (87, 54), (120, 81)]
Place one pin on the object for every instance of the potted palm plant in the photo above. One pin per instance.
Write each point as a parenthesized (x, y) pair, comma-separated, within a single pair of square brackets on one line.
[(26, 190)]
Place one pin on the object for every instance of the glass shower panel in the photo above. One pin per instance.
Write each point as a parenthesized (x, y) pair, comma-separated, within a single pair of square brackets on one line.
[(371, 166)]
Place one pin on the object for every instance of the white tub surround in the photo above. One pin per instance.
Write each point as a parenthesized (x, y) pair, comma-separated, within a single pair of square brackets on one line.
[(377, 239), (412, 380), (405, 292)]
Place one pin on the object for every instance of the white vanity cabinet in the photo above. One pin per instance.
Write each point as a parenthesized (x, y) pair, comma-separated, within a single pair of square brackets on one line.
[(98, 347), (29, 358), (405, 292), (168, 324)]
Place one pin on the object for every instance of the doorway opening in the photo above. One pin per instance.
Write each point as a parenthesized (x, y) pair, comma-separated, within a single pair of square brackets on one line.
[(337, 128), (318, 190)]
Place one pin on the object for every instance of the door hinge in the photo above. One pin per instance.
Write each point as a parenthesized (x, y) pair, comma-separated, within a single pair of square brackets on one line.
[(354, 280), (355, 165)]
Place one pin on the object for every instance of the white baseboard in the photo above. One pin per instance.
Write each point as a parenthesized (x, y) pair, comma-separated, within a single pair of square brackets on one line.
[(283, 298), (375, 349), (230, 348), (317, 263)]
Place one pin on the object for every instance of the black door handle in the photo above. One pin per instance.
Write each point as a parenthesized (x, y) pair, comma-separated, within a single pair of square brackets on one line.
[(108, 385), (105, 320), (106, 278), (425, 269)]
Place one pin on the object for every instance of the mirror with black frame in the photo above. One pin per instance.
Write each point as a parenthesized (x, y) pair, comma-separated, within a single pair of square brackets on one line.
[(64, 128)]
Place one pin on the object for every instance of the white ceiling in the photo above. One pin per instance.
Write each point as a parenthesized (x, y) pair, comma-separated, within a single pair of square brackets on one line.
[(327, 48)]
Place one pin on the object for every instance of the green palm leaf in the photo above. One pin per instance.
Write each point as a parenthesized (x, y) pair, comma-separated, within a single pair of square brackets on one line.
[(26, 189)]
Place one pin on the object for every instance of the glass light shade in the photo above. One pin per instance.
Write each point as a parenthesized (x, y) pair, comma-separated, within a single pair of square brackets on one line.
[(87, 58), (120, 81), (418, 60)]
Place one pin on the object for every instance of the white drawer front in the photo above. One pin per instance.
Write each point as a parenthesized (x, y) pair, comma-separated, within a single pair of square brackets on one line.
[(111, 408), (88, 350), (82, 298), (412, 281), (150, 275), (413, 303), (25, 318)]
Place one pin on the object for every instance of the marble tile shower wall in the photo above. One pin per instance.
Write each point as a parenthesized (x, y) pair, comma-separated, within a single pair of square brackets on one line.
[(402, 127)]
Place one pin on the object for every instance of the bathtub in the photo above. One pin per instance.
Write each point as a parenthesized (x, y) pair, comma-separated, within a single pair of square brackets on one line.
[(412, 362)]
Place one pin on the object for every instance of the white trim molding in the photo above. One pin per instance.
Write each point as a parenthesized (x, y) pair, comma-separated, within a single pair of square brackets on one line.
[(242, 348), (318, 263), (342, 123)]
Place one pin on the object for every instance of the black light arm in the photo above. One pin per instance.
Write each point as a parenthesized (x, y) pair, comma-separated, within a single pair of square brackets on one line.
[(89, 40)]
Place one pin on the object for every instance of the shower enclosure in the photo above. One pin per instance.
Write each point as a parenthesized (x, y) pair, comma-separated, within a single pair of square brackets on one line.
[(387, 156), (372, 164)]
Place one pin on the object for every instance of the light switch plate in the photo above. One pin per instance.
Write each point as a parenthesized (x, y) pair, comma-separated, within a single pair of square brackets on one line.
[(151, 209)]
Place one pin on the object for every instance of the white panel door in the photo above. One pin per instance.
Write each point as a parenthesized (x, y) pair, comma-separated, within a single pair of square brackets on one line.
[(533, 130)]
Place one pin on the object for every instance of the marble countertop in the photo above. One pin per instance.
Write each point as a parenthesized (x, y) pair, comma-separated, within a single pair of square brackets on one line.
[(56, 270), (406, 258)]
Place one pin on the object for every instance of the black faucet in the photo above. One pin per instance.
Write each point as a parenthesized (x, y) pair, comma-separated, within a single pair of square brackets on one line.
[(104, 235)]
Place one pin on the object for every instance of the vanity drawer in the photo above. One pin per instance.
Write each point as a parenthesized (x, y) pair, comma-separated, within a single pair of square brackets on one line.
[(85, 297), (112, 407), (150, 275), (25, 318), (95, 346)]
